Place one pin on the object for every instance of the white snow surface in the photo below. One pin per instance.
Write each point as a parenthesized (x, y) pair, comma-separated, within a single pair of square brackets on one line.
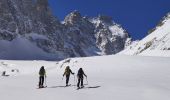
[(156, 43), (110, 77), (117, 30), (22, 48)]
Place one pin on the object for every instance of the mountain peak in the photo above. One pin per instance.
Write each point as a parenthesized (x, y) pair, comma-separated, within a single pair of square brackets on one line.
[(31, 26), (104, 18), (73, 17), (76, 13)]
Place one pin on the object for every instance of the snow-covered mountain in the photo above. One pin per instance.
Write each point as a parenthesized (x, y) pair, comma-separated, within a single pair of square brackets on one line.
[(111, 37), (28, 30), (157, 43)]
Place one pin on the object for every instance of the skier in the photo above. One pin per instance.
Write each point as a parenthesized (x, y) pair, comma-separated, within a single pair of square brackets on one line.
[(67, 73), (42, 74), (80, 78), (4, 73)]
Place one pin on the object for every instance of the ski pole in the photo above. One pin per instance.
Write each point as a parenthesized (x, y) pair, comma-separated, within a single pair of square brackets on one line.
[(45, 82), (61, 81), (74, 80), (62, 78), (87, 81)]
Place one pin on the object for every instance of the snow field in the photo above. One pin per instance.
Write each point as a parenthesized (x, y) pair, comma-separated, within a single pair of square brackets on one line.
[(110, 77)]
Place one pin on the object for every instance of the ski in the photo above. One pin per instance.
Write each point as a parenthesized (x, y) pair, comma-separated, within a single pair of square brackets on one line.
[(68, 85), (89, 87), (80, 88), (42, 87)]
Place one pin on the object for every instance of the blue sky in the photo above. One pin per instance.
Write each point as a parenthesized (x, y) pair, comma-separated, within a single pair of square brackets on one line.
[(136, 16)]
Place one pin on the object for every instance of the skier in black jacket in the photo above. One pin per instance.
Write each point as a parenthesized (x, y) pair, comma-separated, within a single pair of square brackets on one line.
[(42, 74), (80, 77)]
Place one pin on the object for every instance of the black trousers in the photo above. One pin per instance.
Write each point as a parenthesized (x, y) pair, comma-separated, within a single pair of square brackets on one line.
[(41, 81), (67, 79), (80, 80)]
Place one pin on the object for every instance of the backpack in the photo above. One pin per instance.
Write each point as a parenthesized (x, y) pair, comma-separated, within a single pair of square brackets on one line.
[(67, 71), (42, 72), (80, 73)]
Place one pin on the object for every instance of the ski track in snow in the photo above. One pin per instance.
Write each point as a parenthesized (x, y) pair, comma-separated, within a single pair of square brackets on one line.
[(109, 77)]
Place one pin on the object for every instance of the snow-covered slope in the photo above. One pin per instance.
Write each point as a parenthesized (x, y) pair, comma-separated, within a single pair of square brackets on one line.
[(109, 77), (157, 43), (21, 48)]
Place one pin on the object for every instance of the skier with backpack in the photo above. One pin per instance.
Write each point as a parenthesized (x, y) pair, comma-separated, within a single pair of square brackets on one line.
[(80, 77), (42, 74), (67, 74)]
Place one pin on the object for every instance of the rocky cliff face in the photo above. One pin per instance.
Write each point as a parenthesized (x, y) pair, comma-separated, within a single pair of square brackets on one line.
[(78, 36), (110, 37), (27, 17)]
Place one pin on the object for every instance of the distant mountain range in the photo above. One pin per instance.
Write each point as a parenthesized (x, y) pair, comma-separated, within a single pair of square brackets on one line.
[(28, 30)]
